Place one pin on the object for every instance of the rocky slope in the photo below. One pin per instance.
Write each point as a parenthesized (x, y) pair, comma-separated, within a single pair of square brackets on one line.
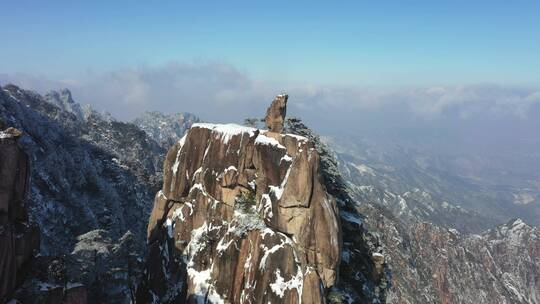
[(64, 101), (19, 238), (428, 242), (98, 270), (244, 216), (432, 264)]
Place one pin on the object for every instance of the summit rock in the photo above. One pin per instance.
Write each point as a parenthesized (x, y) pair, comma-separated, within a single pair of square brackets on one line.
[(243, 217), (275, 115)]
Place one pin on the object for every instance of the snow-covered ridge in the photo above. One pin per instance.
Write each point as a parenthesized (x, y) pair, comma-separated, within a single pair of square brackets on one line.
[(227, 131), (166, 129), (65, 102), (266, 140)]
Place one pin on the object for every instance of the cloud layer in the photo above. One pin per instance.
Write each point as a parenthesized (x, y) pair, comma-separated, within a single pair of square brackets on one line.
[(221, 92)]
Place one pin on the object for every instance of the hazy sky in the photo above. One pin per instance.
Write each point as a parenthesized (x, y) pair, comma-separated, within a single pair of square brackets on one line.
[(323, 42)]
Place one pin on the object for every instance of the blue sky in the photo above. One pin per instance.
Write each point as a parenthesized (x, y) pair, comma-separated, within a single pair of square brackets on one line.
[(382, 43)]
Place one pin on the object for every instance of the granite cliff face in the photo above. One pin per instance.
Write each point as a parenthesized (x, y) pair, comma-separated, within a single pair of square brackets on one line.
[(243, 217), (19, 238)]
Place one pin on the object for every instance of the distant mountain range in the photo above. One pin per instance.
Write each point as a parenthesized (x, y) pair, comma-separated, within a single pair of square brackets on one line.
[(456, 191)]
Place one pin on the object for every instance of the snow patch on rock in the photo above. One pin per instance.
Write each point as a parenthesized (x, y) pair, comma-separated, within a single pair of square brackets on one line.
[(226, 131)]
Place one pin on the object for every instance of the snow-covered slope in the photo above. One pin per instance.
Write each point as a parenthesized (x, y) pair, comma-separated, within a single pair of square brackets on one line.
[(87, 173), (165, 129)]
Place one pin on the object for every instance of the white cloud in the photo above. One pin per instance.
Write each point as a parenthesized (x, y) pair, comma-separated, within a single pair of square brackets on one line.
[(221, 92)]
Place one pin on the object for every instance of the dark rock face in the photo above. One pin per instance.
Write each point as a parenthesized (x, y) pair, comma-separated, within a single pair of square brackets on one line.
[(275, 115), (19, 239)]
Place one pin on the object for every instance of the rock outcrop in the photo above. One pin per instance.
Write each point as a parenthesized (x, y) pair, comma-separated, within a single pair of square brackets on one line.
[(275, 115), (243, 217), (18, 238)]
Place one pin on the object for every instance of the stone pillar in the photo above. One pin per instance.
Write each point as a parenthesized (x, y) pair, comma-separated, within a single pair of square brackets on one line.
[(275, 115)]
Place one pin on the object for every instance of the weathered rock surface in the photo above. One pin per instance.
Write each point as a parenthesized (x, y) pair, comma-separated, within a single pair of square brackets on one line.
[(275, 115), (243, 217), (18, 238)]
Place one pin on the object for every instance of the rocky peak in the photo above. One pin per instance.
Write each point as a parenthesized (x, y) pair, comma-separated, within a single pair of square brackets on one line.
[(243, 217), (275, 115), (65, 102), (66, 95)]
